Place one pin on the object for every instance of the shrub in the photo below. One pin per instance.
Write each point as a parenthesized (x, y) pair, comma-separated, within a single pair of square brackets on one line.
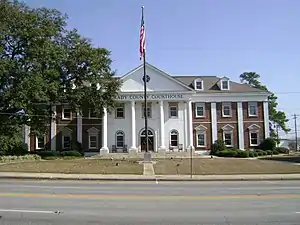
[(71, 153), (260, 152), (282, 150), (252, 154), (45, 154), (269, 152), (227, 153), (242, 154), (218, 146), (275, 152), (268, 144)]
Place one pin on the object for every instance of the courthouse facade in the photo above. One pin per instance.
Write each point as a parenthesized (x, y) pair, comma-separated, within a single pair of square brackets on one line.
[(185, 112)]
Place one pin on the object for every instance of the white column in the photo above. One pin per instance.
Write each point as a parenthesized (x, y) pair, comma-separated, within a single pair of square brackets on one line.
[(53, 129), (266, 119), (185, 126), (162, 126), (104, 149), (191, 135), (240, 125), (214, 126), (133, 127), (27, 136), (79, 127)]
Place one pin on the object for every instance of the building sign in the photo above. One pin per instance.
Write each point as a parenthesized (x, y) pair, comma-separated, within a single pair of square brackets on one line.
[(150, 97)]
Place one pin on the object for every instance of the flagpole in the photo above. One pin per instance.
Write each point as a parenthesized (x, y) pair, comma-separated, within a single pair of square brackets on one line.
[(145, 90)]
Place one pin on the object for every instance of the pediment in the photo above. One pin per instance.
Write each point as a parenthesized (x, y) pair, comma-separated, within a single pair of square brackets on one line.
[(93, 130), (227, 127), (254, 127), (201, 127), (159, 81)]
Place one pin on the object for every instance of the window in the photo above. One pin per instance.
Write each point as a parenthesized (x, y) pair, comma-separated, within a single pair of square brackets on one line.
[(173, 110), (67, 141), (252, 109), (253, 138), (149, 111), (174, 138), (120, 111), (66, 113), (120, 139), (92, 114), (40, 142), (225, 85), (228, 138), (93, 141), (226, 109), (198, 84), (200, 109), (201, 138)]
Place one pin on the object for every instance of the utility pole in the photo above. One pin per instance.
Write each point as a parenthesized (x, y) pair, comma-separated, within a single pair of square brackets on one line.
[(296, 134)]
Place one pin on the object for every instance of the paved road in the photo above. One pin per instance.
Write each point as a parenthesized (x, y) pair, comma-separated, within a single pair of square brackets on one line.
[(132, 203)]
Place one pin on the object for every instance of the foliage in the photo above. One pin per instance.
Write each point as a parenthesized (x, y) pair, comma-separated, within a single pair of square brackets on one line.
[(276, 117), (268, 144), (282, 150), (218, 146), (56, 154), (12, 145), (43, 63)]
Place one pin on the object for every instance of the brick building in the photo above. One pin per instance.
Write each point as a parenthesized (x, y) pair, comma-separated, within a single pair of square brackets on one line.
[(184, 112)]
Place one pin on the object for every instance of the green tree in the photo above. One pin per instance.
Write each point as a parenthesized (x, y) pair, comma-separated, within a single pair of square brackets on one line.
[(275, 116), (41, 62)]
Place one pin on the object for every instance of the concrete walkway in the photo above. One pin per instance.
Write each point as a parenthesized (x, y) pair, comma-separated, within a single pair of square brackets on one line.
[(148, 177), (148, 169)]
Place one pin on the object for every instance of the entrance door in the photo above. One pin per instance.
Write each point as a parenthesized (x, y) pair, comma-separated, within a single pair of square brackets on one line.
[(150, 141)]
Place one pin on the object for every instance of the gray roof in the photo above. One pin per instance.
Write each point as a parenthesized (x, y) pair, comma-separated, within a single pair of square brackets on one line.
[(210, 84)]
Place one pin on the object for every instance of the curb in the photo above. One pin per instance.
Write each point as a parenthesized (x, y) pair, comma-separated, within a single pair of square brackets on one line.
[(149, 178)]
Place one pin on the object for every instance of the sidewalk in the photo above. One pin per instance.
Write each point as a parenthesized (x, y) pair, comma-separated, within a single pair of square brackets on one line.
[(122, 177)]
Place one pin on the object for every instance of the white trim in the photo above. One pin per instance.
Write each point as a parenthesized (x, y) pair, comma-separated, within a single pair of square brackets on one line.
[(227, 104), (205, 141), (266, 119), (63, 113), (177, 135), (120, 106), (250, 104), (97, 138), (53, 131), (185, 125), (214, 124), (117, 134), (104, 147), (231, 133), (253, 132), (201, 127), (37, 142), (200, 104), (198, 80), (254, 127), (191, 135), (224, 79), (172, 104), (228, 127), (240, 126)]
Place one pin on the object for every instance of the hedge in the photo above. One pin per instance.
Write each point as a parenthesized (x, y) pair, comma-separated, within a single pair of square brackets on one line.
[(10, 158), (236, 153), (48, 154)]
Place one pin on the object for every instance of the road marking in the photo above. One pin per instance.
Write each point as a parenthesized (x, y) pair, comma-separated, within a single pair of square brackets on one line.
[(147, 197), (26, 211), (298, 212)]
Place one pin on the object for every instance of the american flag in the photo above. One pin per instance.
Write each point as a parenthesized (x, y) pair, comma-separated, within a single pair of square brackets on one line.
[(142, 37)]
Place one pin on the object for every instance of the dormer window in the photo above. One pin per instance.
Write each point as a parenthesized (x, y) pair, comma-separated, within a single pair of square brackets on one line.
[(198, 84), (225, 84)]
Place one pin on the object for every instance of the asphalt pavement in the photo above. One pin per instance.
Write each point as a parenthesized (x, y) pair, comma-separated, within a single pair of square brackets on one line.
[(132, 203)]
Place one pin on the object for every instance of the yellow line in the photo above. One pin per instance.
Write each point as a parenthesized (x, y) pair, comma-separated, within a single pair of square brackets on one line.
[(144, 197)]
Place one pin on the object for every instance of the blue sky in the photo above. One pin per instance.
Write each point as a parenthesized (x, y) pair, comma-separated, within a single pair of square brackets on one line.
[(198, 37)]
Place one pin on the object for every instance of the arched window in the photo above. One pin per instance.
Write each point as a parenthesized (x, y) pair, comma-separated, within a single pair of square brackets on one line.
[(150, 133), (174, 138), (120, 139)]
